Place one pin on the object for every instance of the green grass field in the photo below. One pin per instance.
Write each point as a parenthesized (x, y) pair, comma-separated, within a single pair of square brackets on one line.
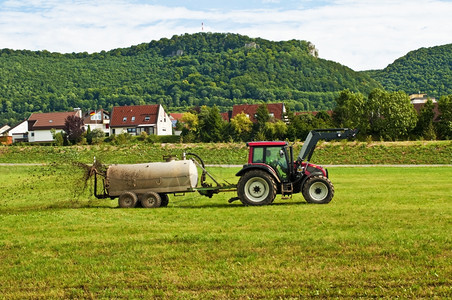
[(386, 233)]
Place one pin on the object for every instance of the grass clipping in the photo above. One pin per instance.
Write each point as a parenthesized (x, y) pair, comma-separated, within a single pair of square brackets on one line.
[(90, 170), (84, 181)]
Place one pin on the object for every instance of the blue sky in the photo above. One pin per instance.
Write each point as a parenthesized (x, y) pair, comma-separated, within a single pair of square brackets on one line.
[(361, 34)]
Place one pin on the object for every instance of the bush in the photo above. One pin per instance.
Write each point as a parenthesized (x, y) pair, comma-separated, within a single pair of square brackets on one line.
[(120, 139)]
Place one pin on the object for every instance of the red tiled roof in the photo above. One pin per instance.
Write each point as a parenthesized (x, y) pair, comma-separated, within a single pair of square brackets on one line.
[(44, 121), (250, 109), (176, 116), (123, 116)]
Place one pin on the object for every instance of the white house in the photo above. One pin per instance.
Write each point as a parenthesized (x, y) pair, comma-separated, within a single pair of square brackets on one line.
[(98, 119), (19, 133), (420, 98), (134, 120), (41, 124)]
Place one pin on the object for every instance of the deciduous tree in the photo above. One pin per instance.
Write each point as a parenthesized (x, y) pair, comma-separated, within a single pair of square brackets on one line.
[(73, 127), (210, 124), (445, 124), (242, 126), (349, 111), (391, 114)]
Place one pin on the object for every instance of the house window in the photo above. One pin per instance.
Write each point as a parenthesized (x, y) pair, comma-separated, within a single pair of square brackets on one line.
[(147, 118), (131, 130), (124, 119), (133, 119)]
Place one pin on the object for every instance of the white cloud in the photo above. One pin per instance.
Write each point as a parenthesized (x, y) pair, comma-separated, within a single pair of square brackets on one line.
[(360, 34)]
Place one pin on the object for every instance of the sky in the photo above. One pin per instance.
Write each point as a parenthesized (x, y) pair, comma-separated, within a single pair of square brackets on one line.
[(361, 34)]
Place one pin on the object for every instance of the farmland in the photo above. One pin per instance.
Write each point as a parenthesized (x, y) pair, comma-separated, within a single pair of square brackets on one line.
[(385, 234)]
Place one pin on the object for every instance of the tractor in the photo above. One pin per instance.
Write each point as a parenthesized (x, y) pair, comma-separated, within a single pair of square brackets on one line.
[(271, 170)]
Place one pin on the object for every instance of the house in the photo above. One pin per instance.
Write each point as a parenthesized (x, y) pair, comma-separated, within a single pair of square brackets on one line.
[(175, 118), (419, 100), (436, 113), (4, 130), (5, 139), (19, 133), (41, 124), (134, 120), (275, 110), (97, 119)]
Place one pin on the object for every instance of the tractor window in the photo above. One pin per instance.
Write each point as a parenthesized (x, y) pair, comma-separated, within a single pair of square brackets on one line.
[(276, 158), (258, 155), (272, 154)]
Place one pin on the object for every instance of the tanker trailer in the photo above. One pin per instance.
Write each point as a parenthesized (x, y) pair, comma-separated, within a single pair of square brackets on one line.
[(149, 184)]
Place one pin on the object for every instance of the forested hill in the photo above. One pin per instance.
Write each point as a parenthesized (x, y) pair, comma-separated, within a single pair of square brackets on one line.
[(428, 70), (181, 72)]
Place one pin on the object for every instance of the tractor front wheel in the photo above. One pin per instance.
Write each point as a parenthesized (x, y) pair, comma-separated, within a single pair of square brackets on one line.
[(256, 187), (318, 189)]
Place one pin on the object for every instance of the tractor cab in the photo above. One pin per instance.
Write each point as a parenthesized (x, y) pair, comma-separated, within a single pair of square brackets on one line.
[(276, 155)]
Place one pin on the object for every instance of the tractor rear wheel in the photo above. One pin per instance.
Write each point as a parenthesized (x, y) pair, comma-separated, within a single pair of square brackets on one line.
[(127, 200), (150, 200), (256, 187), (318, 189)]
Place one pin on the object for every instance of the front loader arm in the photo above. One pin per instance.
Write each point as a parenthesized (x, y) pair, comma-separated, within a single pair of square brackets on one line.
[(323, 134)]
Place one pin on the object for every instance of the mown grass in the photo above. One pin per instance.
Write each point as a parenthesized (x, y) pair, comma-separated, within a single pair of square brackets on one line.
[(385, 234), (418, 152)]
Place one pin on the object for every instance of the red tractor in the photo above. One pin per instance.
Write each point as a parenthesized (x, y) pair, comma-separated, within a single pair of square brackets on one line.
[(272, 170)]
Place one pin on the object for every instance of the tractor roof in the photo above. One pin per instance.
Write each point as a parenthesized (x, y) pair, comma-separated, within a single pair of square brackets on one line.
[(263, 144)]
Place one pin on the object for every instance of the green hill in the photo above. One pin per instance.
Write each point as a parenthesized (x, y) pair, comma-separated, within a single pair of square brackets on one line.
[(428, 70), (184, 71)]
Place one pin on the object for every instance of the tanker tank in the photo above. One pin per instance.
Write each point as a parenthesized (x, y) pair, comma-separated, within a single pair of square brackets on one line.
[(176, 176)]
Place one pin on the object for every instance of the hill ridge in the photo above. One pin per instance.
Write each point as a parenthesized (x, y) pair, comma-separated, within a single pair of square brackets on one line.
[(212, 69)]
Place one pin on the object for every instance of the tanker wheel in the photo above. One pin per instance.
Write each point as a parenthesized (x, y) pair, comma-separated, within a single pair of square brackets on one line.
[(127, 200), (165, 200), (256, 187), (318, 189), (151, 200)]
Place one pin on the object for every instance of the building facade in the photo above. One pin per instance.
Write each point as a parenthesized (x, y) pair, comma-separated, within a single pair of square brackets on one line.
[(137, 119)]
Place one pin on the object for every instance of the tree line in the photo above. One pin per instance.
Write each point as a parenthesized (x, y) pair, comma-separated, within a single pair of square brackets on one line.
[(381, 115)]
